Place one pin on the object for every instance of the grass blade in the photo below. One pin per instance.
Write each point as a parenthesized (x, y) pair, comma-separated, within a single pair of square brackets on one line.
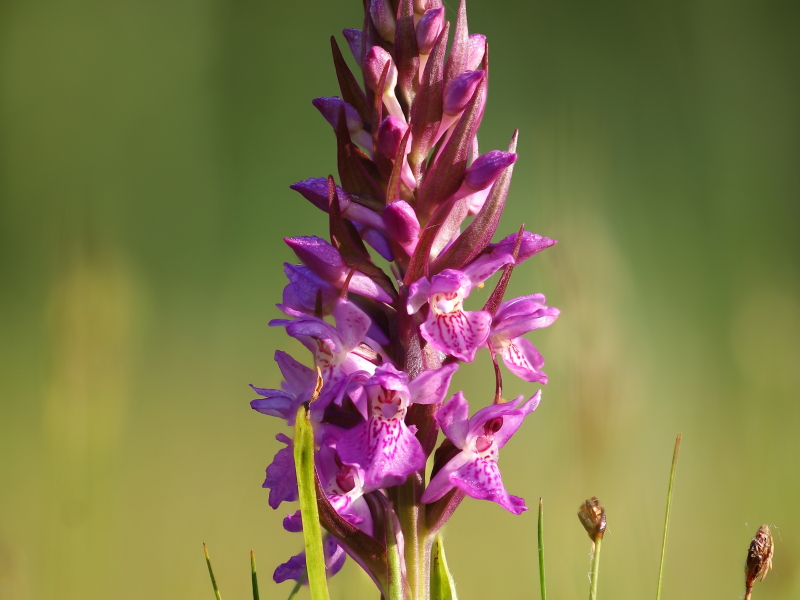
[(253, 574), (211, 572), (442, 585), (595, 568), (298, 585), (666, 517), (312, 531), (541, 550)]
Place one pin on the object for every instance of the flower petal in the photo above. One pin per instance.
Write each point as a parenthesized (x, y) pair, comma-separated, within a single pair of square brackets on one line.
[(385, 450), (481, 479), (297, 376), (523, 359), (277, 403), (512, 414), (459, 333), (430, 387), (441, 483), (418, 294), (352, 324), (281, 475), (453, 418)]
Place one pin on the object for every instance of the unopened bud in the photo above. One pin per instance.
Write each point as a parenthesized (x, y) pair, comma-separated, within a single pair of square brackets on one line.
[(477, 47), (355, 39), (331, 109), (420, 6), (759, 557), (593, 518), (390, 134), (429, 28), (459, 91), (373, 68), (486, 168), (383, 18)]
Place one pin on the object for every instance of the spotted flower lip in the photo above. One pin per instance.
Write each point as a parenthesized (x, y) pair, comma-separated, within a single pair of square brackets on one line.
[(513, 319), (474, 470), (384, 447)]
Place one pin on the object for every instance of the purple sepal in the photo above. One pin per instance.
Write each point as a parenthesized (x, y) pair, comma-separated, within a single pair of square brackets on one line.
[(460, 90), (532, 243), (315, 190), (297, 388), (430, 387), (281, 476), (295, 567), (487, 168), (383, 18), (293, 523), (355, 39), (474, 470), (428, 29), (300, 294), (378, 241), (384, 447)]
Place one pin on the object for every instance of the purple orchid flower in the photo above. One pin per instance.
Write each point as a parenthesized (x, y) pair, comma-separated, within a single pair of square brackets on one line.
[(331, 346), (281, 475), (513, 319), (384, 447), (448, 327), (297, 387), (474, 470)]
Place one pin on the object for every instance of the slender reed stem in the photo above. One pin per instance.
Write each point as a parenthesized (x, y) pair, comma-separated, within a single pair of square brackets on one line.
[(298, 585), (595, 569), (254, 576), (666, 517), (748, 594), (211, 572), (541, 550)]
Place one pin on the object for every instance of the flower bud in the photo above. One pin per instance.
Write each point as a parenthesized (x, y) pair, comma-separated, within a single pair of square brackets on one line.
[(429, 28), (593, 518), (402, 224), (390, 134), (318, 255), (331, 109), (355, 39), (459, 91), (477, 47), (759, 557), (486, 168), (383, 18), (373, 68)]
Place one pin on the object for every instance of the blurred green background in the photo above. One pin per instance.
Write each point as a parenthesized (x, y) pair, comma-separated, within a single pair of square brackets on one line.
[(146, 150)]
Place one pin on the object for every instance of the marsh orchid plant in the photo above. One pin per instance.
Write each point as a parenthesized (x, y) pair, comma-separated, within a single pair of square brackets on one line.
[(384, 306)]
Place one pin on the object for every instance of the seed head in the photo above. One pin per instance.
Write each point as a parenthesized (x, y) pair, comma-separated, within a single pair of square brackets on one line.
[(593, 518), (759, 556)]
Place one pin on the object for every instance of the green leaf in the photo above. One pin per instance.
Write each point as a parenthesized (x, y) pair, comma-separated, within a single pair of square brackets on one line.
[(442, 585), (312, 532)]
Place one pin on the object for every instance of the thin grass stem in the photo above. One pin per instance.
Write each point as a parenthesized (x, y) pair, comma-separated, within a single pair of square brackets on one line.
[(541, 550), (211, 572), (595, 569), (666, 517), (298, 585)]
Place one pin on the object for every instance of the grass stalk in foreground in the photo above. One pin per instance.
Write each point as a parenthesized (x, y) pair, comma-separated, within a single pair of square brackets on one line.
[(298, 585), (592, 516), (666, 517), (254, 577), (211, 572), (541, 551)]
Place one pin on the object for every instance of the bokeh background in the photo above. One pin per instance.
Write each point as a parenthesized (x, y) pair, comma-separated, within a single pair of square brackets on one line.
[(146, 148)]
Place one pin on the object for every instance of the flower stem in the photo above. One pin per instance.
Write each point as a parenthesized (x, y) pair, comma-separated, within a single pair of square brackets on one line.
[(410, 514), (541, 550), (666, 517), (595, 569)]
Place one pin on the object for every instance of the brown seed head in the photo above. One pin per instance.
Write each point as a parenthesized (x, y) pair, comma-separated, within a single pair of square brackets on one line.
[(593, 518), (759, 556)]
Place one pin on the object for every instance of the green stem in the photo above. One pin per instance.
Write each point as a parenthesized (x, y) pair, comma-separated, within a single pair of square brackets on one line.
[(541, 550), (410, 515), (394, 561), (595, 569), (666, 517)]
